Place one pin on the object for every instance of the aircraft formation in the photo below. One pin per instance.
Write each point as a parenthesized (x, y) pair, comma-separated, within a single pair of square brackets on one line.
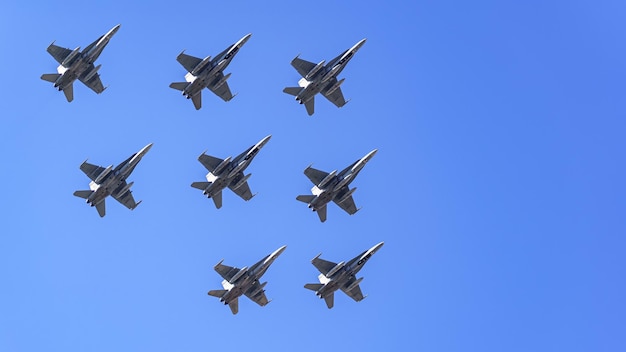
[(229, 173)]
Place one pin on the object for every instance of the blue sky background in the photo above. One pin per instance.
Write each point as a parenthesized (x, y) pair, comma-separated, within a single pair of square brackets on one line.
[(498, 188)]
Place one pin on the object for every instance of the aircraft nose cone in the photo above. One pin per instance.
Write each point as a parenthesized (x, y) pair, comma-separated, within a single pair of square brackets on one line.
[(145, 149), (266, 139), (114, 29), (377, 247), (279, 251)]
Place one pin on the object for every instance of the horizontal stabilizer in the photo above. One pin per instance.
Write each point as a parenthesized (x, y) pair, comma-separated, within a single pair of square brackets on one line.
[(179, 85), (83, 194), (217, 293), (314, 287), (50, 77), (305, 198), (292, 90), (200, 185)]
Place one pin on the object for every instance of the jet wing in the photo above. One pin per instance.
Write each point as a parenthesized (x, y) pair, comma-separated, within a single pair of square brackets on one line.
[(316, 176), (225, 271), (209, 162), (126, 199), (302, 66), (260, 297), (223, 91), (355, 293), (94, 83), (242, 191), (336, 97), (347, 205), (189, 62), (58, 53), (92, 171), (324, 266)]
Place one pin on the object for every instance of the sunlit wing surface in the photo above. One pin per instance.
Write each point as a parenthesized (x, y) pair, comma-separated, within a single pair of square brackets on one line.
[(336, 96), (316, 176), (225, 271), (126, 199), (92, 171), (355, 293), (223, 91), (302, 66), (258, 298), (58, 53), (242, 191), (324, 266), (189, 62), (94, 83), (209, 162), (348, 204)]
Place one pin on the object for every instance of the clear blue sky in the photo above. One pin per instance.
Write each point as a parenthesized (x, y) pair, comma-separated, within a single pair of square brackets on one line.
[(498, 188)]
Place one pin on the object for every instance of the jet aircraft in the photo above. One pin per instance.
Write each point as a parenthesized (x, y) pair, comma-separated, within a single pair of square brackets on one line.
[(340, 276), (244, 281), (321, 78), (228, 173), (76, 64), (333, 187), (109, 181), (207, 73)]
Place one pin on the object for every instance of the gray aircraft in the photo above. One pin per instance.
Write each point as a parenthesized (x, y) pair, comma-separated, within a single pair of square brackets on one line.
[(340, 276), (207, 73), (76, 64), (111, 181), (333, 187), (228, 173), (321, 78), (244, 281)]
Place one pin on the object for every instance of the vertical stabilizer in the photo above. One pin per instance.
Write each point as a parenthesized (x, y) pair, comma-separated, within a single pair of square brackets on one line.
[(101, 208), (310, 106), (69, 92), (197, 100), (330, 300), (217, 199), (234, 305), (321, 212)]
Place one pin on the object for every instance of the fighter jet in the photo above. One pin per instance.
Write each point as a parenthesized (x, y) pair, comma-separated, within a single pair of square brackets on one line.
[(109, 181), (228, 173), (207, 73), (340, 276), (321, 78), (333, 186), (244, 281), (76, 64)]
